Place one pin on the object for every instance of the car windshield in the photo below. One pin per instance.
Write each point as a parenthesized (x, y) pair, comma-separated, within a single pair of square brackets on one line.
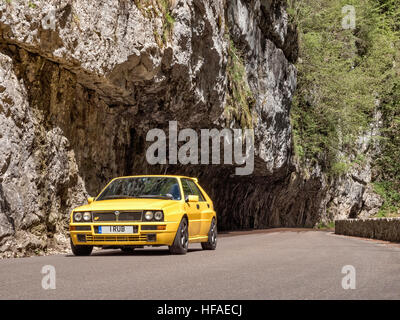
[(142, 187)]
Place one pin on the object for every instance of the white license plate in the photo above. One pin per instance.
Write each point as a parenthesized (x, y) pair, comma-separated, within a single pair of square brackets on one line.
[(116, 230)]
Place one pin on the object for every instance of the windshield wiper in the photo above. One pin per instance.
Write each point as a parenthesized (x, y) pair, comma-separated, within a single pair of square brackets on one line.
[(169, 197), (117, 196)]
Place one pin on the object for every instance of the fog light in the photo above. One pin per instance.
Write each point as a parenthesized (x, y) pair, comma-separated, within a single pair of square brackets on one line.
[(81, 237), (151, 237)]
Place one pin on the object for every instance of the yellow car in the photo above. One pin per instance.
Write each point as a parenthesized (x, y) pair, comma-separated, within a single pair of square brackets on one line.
[(137, 211)]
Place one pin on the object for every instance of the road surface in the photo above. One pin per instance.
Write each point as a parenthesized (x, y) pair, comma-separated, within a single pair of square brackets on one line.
[(283, 264)]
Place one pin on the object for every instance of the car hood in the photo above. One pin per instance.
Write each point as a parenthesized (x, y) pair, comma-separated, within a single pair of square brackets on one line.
[(128, 204)]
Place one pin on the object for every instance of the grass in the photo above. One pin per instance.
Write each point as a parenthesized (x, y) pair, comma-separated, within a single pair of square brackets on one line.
[(382, 214), (158, 8), (325, 226), (30, 3), (391, 199), (240, 99)]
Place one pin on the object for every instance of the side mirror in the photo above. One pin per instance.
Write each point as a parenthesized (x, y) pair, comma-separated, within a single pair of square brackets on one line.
[(192, 198), (90, 200)]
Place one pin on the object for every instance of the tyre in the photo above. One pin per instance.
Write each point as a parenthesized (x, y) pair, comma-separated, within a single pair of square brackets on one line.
[(81, 250), (181, 242), (211, 244), (127, 249)]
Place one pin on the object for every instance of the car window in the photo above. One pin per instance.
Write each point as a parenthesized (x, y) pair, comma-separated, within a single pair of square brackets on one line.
[(185, 186), (194, 190)]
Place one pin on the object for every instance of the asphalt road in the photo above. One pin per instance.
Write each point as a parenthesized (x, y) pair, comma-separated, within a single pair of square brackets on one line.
[(261, 265)]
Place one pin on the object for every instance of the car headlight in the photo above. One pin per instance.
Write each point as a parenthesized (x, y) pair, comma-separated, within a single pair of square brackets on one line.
[(87, 216), (158, 215), (148, 215), (78, 216)]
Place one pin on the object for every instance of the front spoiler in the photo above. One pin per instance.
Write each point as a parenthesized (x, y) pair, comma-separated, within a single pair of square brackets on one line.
[(89, 237)]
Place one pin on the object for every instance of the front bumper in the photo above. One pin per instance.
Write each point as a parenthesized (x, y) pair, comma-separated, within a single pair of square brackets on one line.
[(141, 238)]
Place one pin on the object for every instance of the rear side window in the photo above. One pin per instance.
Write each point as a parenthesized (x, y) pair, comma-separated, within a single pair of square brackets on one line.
[(186, 189), (192, 189)]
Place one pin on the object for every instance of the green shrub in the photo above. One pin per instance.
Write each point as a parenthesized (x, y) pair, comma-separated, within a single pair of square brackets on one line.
[(344, 77), (154, 8), (390, 195), (322, 225), (240, 100)]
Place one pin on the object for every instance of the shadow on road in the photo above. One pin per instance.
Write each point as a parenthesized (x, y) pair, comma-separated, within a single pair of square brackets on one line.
[(137, 252), (258, 231)]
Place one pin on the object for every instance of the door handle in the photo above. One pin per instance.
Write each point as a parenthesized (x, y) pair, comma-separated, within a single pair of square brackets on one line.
[(198, 206)]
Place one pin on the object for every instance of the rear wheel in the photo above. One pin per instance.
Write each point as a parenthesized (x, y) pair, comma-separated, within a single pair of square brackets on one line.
[(211, 244), (181, 242), (81, 250)]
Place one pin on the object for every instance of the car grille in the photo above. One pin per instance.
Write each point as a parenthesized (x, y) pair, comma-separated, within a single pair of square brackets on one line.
[(90, 238), (123, 216)]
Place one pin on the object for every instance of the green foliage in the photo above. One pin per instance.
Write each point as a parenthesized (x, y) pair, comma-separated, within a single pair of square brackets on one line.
[(339, 168), (154, 8), (30, 3), (389, 193), (240, 99), (342, 77), (323, 226), (168, 24), (388, 160)]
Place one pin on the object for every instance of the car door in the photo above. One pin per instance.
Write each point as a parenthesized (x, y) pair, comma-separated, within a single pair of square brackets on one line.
[(204, 208), (192, 210), (207, 212)]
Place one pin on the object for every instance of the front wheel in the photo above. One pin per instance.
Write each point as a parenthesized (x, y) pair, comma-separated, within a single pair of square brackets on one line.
[(181, 242), (81, 250), (211, 244)]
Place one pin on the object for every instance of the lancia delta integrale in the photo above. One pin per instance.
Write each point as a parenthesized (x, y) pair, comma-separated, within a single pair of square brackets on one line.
[(133, 212)]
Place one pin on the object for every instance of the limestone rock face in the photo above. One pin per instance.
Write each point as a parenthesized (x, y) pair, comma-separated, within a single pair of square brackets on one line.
[(39, 175), (82, 82), (352, 195), (271, 76)]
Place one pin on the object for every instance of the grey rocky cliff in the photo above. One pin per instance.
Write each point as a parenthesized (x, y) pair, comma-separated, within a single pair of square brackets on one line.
[(39, 175), (77, 100), (352, 195)]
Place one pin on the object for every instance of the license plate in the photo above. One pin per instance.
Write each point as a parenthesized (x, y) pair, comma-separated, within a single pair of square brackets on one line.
[(116, 230)]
